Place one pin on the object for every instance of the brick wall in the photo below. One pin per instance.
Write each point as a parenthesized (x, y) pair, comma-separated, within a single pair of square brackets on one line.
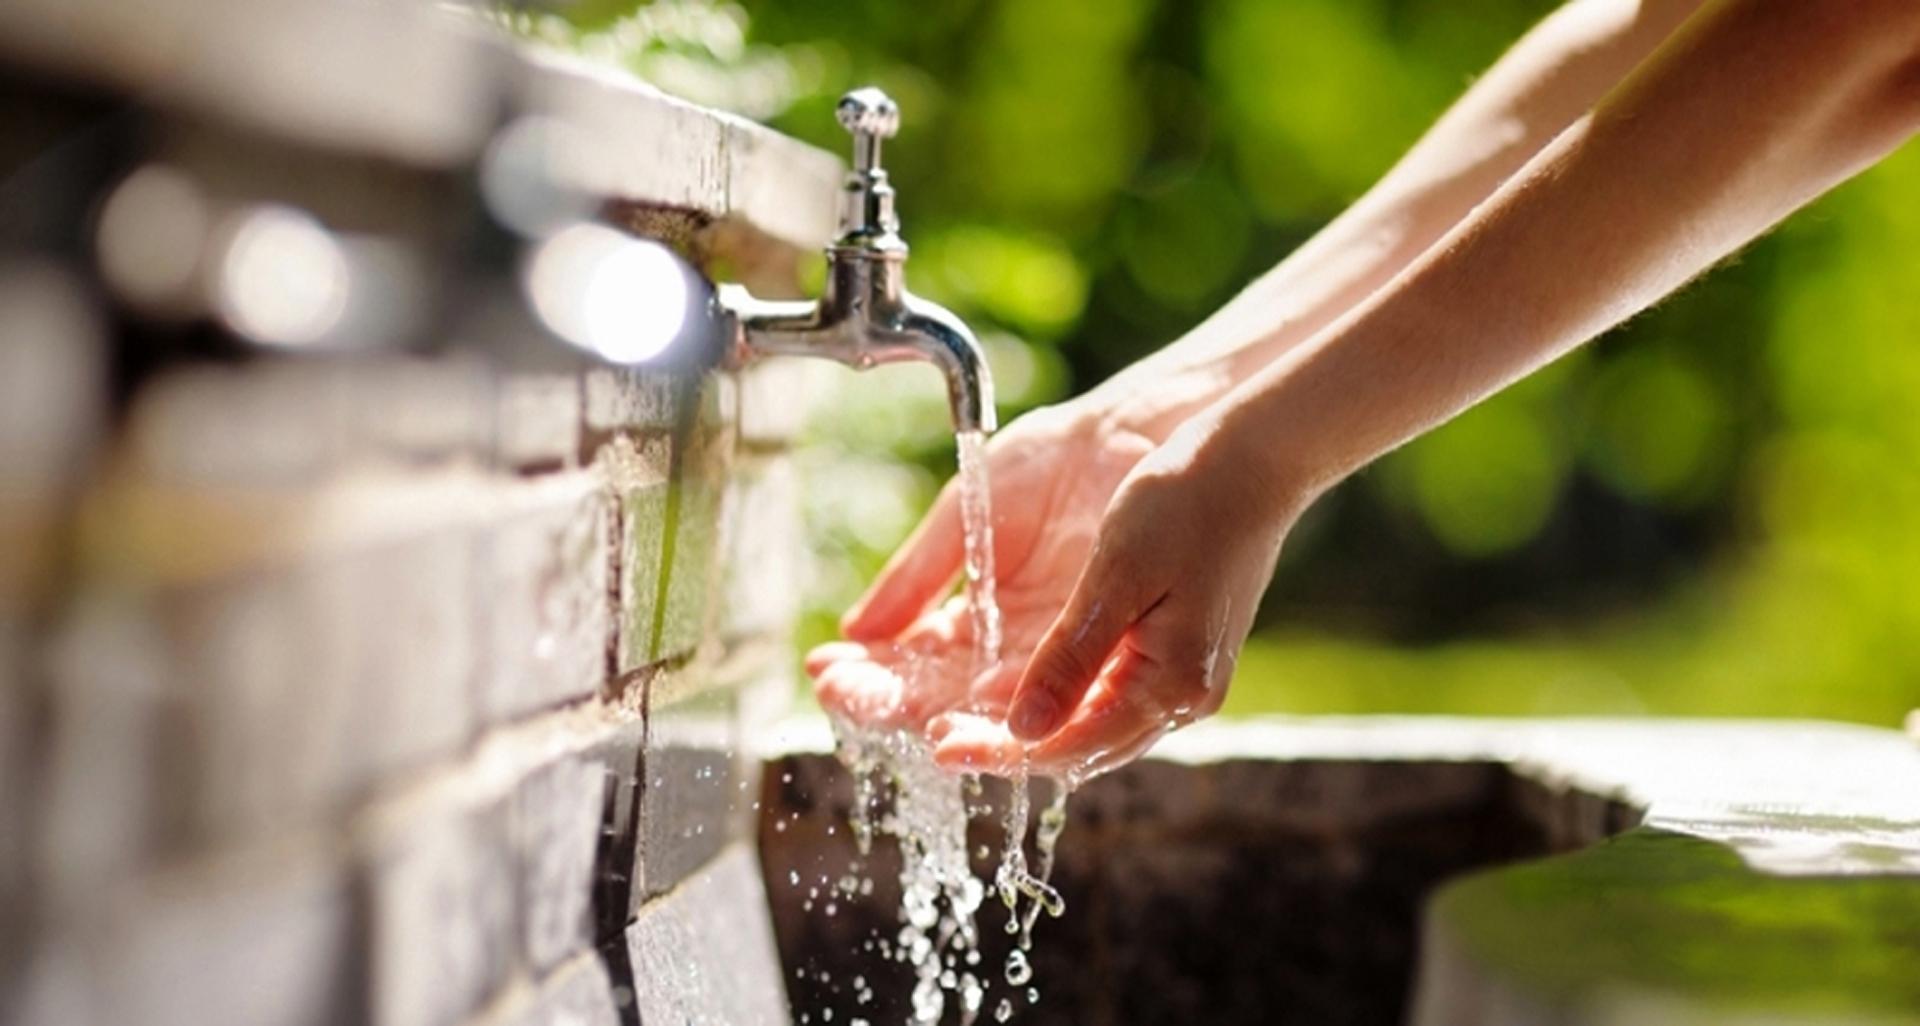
[(402, 682), (398, 691)]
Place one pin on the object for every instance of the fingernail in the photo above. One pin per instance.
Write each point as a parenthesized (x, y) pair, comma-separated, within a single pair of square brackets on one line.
[(1033, 719)]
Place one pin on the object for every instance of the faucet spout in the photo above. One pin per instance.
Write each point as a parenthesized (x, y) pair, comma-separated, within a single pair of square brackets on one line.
[(865, 317), (866, 335)]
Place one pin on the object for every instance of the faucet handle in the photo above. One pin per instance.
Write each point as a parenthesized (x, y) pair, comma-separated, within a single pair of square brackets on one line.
[(867, 219), (871, 116)]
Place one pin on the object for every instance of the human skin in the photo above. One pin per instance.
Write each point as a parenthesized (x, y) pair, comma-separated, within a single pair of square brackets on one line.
[(1055, 470), (1748, 110)]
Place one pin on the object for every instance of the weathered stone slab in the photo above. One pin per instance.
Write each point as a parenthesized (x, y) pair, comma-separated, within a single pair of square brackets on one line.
[(703, 955), (692, 789), (416, 616), (625, 398), (262, 938), (1656, 928), (669, 535), (762, 538), (441, 876), (546, 610), (414, 91), (538, 420), (556, 820), (576, 994), (654, 148), (776, 397)]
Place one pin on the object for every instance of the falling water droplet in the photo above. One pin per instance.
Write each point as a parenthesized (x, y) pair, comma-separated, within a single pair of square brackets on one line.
[(1018, 971)]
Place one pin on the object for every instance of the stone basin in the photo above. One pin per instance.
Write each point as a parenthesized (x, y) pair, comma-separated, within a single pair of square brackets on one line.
[(1432, 871)]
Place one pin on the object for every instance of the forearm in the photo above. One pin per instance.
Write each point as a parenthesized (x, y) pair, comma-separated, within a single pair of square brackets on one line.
[(1752, 109), (1552, 76)]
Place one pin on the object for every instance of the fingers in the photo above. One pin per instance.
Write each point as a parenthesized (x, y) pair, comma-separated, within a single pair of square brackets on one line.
[(900, 683), (832, 652), (1108, 730), (1069, 657), (1171, 668), (920, 572), (862, 691)]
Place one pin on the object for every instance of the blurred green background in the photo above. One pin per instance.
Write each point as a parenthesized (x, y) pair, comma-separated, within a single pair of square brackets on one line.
[(1706, 512)]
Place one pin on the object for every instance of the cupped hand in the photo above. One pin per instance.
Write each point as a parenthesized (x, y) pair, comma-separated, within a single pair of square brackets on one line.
[(908, 660), (1148, 633)]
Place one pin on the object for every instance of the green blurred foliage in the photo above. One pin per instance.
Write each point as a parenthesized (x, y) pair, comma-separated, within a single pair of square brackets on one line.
[(1705, 512)]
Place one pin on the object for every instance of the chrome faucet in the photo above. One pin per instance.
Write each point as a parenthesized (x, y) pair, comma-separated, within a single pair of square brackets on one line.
[(865, 316)]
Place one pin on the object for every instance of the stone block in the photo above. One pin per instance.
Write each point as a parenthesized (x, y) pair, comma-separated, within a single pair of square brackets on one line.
[(441, 878), (537, 420), (775, 401), (704, 954), (576, 994), (762, 541), (692, 789), (265, 425), (693, 574), (556, 829), (624, 398), (106, 785), (266, 719), (266, 938), (617, 758), (643, 555), (413, 625), (544, 578), (669, 535), (418, 410), (53, 414)]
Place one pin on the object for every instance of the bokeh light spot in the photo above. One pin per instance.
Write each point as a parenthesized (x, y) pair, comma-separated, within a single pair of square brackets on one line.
[(623, 298), (283, 279)]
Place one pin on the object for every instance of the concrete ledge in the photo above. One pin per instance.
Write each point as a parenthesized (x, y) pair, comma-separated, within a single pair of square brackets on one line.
[(422, 85)]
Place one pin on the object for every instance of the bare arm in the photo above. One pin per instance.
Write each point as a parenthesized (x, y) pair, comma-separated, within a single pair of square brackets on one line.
[(1552, 76), (1750, 110)]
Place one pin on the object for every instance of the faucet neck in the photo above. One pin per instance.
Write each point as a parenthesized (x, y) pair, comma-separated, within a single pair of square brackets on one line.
[(867, 218)]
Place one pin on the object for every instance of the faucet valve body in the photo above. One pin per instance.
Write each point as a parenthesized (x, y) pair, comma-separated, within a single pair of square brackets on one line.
[(865, 316)]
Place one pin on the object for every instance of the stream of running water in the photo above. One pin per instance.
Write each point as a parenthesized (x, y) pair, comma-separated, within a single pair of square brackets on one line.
[(901, 793)]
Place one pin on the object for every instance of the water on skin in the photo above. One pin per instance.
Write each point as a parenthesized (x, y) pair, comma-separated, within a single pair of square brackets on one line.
[(901, 793)]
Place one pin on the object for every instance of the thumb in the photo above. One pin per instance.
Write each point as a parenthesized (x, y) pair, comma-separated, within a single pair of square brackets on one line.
[(1102, 608)]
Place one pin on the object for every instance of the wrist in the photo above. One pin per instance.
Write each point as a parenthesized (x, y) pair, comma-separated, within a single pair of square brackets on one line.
[(1154, 397), (1279, 475)]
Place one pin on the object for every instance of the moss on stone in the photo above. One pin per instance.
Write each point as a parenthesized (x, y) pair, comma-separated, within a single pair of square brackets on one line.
[(1657, 911)]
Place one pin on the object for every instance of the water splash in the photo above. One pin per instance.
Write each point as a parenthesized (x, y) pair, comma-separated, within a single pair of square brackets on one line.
[(906, 796), (899, 792)]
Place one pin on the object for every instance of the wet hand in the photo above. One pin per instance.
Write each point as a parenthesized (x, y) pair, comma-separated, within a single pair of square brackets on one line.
[(1148, 634), (909, 656)]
